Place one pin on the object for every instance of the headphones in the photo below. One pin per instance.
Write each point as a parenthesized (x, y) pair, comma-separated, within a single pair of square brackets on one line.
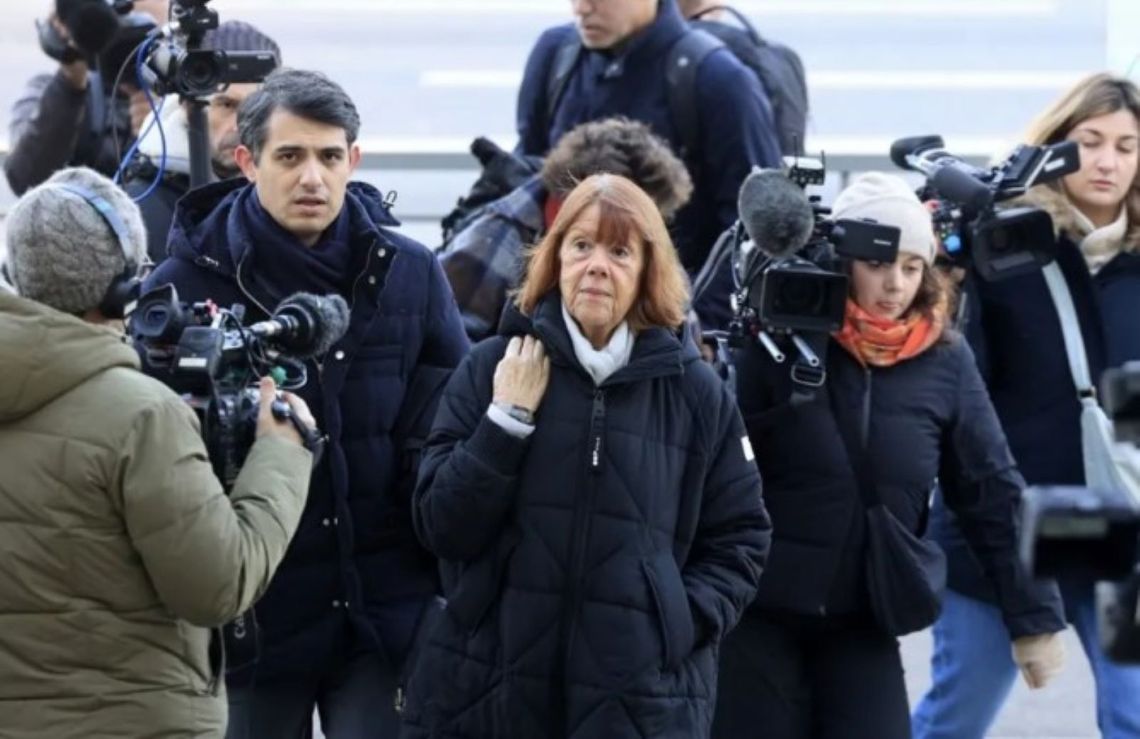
[(123, 292)]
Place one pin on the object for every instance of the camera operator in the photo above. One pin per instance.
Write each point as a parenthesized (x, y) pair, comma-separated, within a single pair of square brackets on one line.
[(62, 119), (341, 615), (1014, 328), (118, 549), (902, 406), (221, 120)]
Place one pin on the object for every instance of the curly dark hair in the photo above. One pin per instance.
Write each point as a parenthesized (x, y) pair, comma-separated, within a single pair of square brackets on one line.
[(623, 147)]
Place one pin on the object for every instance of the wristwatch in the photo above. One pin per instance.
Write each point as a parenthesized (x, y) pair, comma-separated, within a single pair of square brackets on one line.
[(517, 412)]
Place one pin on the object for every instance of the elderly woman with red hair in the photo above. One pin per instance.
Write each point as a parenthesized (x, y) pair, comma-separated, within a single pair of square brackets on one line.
[(590, 490)]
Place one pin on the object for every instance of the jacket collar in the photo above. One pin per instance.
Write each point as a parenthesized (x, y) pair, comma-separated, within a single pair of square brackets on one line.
[(209, 230), (657, 351), (1064, 215)]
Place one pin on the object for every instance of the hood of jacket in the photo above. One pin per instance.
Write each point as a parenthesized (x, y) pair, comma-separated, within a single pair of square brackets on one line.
[(1065, 221), (48, 353), (207, 228)]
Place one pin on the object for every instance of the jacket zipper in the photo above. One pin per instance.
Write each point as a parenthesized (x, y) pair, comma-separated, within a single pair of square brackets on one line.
[(597, 431), (582, 508), (320, 363)]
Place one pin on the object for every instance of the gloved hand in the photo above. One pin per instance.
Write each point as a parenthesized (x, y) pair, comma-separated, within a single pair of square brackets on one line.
[(1040, 658)]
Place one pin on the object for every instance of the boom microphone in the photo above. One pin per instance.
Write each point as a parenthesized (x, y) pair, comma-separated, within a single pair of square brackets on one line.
[(775, 213), (952, 178), (305, 325)]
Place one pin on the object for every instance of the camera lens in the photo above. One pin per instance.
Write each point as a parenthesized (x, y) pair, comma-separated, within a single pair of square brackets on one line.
[(200, 72), (802, 295)]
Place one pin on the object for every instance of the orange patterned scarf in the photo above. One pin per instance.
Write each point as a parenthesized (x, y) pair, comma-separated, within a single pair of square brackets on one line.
[(882, 342)]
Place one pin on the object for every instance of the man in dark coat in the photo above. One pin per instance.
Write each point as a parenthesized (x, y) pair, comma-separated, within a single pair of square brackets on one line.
[(342, 612), (621, 70)]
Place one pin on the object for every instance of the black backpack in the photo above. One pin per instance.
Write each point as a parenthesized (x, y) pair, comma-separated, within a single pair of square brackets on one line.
[(779, 69)]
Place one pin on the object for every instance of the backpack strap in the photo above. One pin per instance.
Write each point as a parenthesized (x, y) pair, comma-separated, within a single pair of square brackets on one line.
[(740, 18), (565, 59), (681, 85)]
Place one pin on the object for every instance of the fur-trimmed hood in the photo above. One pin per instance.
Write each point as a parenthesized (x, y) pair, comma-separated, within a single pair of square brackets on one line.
[(1064, 215)]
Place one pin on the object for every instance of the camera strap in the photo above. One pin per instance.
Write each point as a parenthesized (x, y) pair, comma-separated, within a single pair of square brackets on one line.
[(1106, 464)]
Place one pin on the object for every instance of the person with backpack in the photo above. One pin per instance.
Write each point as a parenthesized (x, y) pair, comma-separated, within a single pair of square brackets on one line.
[(483, 261), (641, 59), (778, 67)]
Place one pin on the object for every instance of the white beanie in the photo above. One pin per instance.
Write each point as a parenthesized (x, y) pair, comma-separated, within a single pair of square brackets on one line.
[(887, 199)]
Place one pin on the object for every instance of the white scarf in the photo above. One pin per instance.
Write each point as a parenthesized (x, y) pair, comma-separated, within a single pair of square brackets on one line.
[(1100, 245), (600, 363)]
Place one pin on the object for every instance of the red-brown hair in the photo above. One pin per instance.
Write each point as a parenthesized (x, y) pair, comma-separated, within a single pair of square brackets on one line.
[(625, 213)]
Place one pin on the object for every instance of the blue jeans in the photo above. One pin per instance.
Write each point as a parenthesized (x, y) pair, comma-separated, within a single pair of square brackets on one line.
[(973, 671)]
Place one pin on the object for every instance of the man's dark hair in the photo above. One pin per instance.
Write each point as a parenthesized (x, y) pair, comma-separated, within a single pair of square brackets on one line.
[(306, 94), (623, 147)]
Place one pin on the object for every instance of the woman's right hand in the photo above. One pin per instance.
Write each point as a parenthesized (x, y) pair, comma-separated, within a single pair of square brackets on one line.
[(1039, 657), (522, 374)]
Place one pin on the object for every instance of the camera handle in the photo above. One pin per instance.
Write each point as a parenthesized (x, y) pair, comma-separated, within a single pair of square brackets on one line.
[(774, 352), (199, 136), (311, 439)]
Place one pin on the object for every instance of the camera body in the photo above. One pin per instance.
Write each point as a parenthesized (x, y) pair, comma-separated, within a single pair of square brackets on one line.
[(180, 65), (996, 241), (802, 286), (204, 353), (1094, 533)]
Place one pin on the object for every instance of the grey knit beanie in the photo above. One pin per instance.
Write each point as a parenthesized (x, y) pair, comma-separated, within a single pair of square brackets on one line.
[(239, 36), (62, 252), (889, 200)]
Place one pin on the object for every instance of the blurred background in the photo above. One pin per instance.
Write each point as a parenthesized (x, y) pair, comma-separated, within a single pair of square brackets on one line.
[(430, 75)]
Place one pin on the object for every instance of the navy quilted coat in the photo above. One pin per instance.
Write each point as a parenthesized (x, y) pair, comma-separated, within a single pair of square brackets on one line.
[(592, 569)]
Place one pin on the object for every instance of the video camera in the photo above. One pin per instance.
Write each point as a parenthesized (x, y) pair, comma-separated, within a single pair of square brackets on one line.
[(785, 258), (998, 242), (203, 352), (1095, 533), (104, 33), (180, 65)]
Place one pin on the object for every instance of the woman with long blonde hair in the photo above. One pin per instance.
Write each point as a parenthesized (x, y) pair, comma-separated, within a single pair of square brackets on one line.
[(1015, 330)]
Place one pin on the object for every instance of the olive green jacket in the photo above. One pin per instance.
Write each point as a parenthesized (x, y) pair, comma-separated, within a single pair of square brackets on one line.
[(118, 549)]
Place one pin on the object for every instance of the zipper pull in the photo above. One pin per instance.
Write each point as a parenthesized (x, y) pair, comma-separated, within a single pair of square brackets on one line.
[(597, 428)]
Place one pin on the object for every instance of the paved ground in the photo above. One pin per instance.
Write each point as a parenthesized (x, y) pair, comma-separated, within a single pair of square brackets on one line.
[(1063, 710)]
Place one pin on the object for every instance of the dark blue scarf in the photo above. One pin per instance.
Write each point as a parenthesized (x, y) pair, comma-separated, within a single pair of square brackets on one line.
[(285, 266)]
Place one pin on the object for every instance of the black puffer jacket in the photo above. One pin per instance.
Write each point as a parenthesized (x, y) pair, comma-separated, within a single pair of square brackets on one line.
[(592, 569), (923, 419)]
